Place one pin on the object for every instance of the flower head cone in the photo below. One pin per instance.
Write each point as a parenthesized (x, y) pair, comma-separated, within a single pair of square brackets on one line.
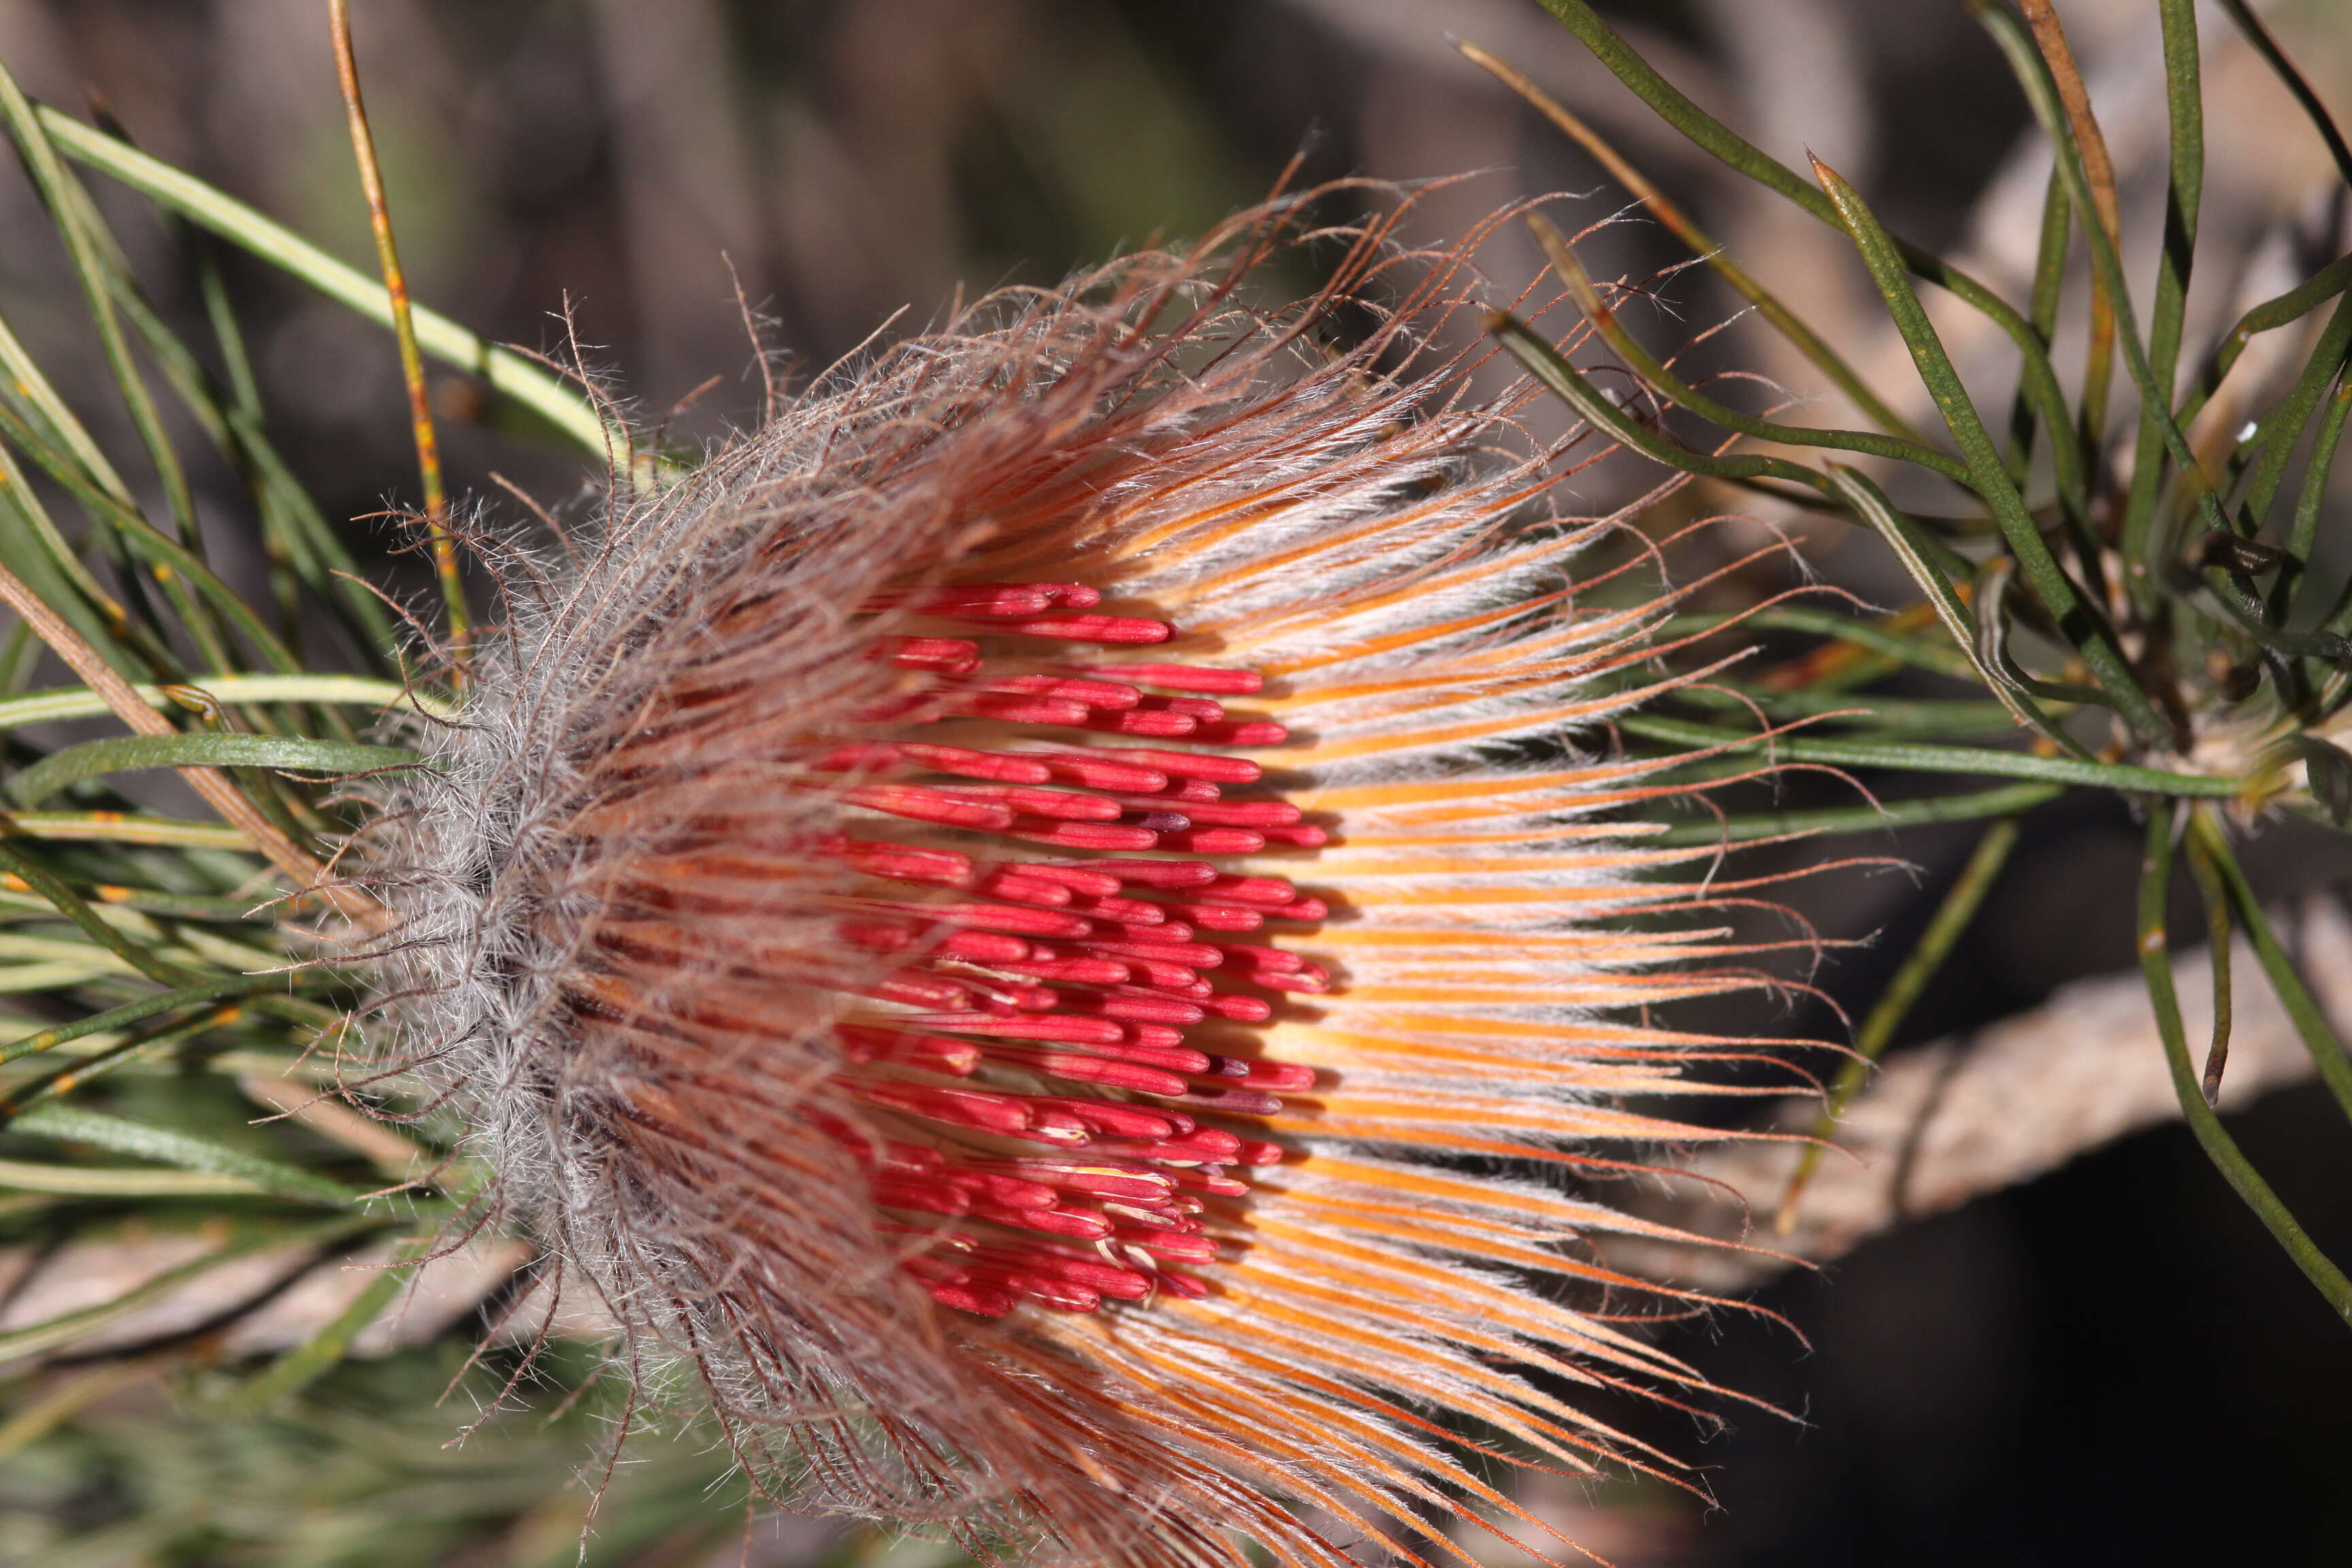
[(1000, 920)]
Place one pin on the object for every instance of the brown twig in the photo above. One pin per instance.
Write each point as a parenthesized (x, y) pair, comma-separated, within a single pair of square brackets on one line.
[(2099, 169), (216, 791), (403, 327), (1956, 1119)]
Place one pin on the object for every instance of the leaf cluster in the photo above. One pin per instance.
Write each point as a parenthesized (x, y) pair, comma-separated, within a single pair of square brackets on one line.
[(2132, 587)]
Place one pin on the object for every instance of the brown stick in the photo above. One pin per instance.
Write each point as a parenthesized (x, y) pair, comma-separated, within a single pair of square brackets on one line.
[(404, 329), (1963, 1117), (215, 788)]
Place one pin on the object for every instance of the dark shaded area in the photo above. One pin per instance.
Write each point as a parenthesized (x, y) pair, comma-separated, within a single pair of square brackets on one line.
[(2113, 1364)]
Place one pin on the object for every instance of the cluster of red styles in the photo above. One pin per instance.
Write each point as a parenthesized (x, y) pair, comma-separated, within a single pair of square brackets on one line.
[(1087, 973)]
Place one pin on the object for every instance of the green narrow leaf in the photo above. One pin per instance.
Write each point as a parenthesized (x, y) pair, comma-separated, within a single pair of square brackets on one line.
[(123, 827), (506, 372), (50, 561), (140, 1044), (2041, 310), (1914, 758), (1882, 715), (1919, 967), (2008, 800), (173, 562), (1786, 321), (1563, 380), (134, 1012), (2184, 110), (1578, 283), (90, 248), (125, 754), (2308, 101), (1870, 503), (2040, 379), (119, 1181), (229, 690), (2267, 317), (56, 415), (2155, 966), (2280, 430), (2075, 616), (35, 1338), (74, 907), (2303, 532), (303, 1365), (289, 517), (2215, 899), (1908, 650), (117, 1136), (2033, 76), (1990, 605), (2311, 1020)]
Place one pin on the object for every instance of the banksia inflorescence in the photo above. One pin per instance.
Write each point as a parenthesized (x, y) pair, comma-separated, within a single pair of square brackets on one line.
[(990, 917)]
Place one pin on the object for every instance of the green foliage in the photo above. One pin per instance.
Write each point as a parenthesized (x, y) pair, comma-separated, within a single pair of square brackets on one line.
[(366, 1469), (2166, 584), (137, 992)]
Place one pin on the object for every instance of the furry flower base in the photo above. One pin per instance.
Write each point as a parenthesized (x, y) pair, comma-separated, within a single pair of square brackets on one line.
[(998, 920)]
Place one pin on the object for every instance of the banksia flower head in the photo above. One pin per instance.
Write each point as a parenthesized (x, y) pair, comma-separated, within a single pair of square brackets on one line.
[(994, 920)]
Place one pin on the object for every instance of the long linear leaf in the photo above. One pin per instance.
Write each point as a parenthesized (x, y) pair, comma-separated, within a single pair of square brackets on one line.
[(288, 515), (234, 689), (35, 1338), (134, 1012), (2310, 1019), (1870, 503), (2304, 530), (2155, 966), (1893, 644), (1951, 918), (125, 754), (506, 372), (2185, 112), (1914, 758), (2042, 94), (2306, 100), (2080, 618), (74, 907), (2281, 311), (2280, 430), (1769, 305), (174, 563), (50, 553), (119, 1135), (1579, 286), (1710, 135), (2213, 893), (123, 827), (2041, 310), (1881, 715), (2008, 800), (119, 1181), (139, 1044), (2090, 144), (315, 1356), (59, 191), (1551, 368)]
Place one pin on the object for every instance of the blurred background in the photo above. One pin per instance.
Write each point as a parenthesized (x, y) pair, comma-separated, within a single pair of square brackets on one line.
[(2111, 1364)]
